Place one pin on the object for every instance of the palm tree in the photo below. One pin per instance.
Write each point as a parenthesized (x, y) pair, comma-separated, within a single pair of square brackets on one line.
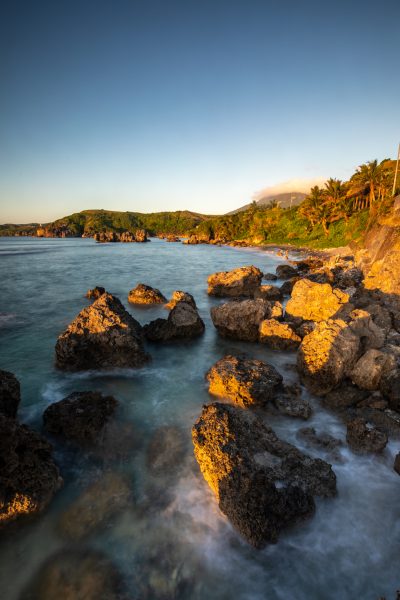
[(368, 176)]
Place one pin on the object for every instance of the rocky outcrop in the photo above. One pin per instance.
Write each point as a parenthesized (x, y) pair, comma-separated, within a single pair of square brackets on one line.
[(285, 272), (29, 477), (96, 505), (125, 236), (245, 381), (165, 451), (179, 296), (268, 292), (237, 283), (80, 417), (10, 394), (95, 293), (183, 322), (363, 437), (278, 336), (262, 484), (144, 294), (103, 335), (240, 319), (314, 301)]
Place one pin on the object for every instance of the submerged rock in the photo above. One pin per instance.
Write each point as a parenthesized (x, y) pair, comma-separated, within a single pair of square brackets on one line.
[(10, 394), (144, 294), (80, 417), (321, 441), (363, 437), (179, 296), (239, 282), (314, 301), (278, 336), (103, 335), (95, 292), (240, 319), (184, 322), (245, 381), (291, 404), (262, 484), (29, 477), (166, 450)]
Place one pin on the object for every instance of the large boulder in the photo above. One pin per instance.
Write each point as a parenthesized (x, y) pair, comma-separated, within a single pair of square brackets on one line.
[(245, 381), (370, 368), (103, 335), (239, 282), (184, 322), (278, 336), (327, 354), (179, 296), (240, 319), (262, 484), (145, 294), (314, 301), (29, 477), (80, 417), (10, 394), (363, 437)]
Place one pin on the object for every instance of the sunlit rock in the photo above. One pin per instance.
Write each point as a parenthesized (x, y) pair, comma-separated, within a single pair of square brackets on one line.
[(145, 294), (103, 335), (29, 477), (363, 437), (179, 296), (362, 324), (10, 394), (240, 319), (239, 282), (262, 484), (183, 322), (278, 336), (95, 293), (245, 381), (314, 301)]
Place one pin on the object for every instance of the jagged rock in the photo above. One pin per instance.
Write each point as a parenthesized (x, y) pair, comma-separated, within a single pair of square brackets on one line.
[(276, 310), (95, 293), (270, 276), (10, 394), (80, 417), (262, 484), (363, 437), (327, 355), (29, 477), (240, 319), (103, 335), (245, 381), (396, 465), (390, 388), (345, 396), (144, 294), (95, 506), (179, 296), (76, 574), (278, 336), (104, 237), (239, 282), (141, 236), (183, 322), (363, 326), (285, 272), (166, 450), (287, 287), (314, 301), (268, 292), (368, 370)]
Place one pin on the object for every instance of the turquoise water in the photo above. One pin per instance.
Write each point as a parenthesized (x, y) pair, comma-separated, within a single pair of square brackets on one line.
[(349, 550)]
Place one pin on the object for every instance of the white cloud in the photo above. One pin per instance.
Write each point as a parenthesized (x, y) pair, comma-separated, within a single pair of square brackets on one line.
[(291, 185)]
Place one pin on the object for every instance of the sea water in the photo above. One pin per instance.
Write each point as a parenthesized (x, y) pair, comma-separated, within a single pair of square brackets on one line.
[(181, 546)]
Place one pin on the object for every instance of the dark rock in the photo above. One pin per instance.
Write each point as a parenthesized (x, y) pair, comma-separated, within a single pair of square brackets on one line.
[(363, 437), (103, 335), (285, 272), (290, 403), (396, 465), (95, 292), (10, 394), (237, 283), (245, 381), (144, 294), (179, 296), (240, 319), (268, 292), (345, 396), (80, 417), (270, 276), (262, 484), (29, 478), (390, 388), (320, 441), (184, 322), (287, 287)]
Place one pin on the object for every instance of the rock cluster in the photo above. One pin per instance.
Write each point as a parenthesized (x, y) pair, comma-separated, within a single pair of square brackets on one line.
[(125, 236), (144, 294)]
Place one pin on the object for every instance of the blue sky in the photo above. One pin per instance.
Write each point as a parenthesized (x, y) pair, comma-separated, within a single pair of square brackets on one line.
[(157, 105)]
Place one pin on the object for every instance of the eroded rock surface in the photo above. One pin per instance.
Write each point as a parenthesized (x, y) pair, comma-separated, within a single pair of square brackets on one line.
[(239, 282), (183, 322), (363, 437), (10, 394), (240, 319), (145, 294), (95, 292), (278, 336), (314, 301)]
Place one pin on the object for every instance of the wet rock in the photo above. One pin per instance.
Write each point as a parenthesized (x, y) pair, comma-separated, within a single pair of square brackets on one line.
[(268, 292), (285, 272), (390, 388), (287, 287), (80, 417), (179, 296), (103, 335), (363, 437), (166, 450), (245, 381), (76, 574), (293, 406), (239, 282), (345, 396), (278, 336), (144, 294), (95, 292), (321, 441), (183, 322), (97, 504), (368, 370), (10, 394), (29, 477), (270, 276), (262, 484), (375, 400), (396, 465), (240, 319), (327, 355), (314, 301)]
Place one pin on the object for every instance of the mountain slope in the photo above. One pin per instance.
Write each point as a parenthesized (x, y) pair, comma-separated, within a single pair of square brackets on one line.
[(285, 200)]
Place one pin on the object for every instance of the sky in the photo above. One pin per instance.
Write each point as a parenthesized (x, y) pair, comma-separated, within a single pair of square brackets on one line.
[(200, 105)]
